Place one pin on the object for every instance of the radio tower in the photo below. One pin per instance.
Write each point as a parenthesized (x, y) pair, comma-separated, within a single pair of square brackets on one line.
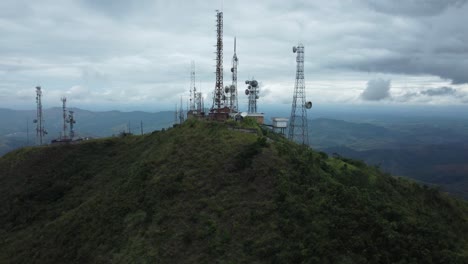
[(218, 94), (71, 120), (64, 109), (40, 131), (252, 91), (233, 105), (298, 129), (193, 89), (181, 112)]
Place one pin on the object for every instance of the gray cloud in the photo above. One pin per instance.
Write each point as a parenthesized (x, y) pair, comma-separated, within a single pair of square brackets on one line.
[(145, 47), (377, 89), (413, 7), (441, 91)]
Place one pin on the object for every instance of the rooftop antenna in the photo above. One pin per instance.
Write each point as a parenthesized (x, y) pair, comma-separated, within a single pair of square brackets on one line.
[(298, 128), (218, 94), (71, 120), (64, 110), (252, 91), (40, 131)]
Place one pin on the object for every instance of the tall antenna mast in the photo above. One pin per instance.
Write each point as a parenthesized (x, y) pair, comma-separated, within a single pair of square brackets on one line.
[(64, 110), (40, 131), (218, 95), (181, 112), (193, 89), (298, 128), (233, 102), (71, 120)]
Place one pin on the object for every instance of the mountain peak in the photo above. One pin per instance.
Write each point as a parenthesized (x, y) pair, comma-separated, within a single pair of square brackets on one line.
[(210, 192)]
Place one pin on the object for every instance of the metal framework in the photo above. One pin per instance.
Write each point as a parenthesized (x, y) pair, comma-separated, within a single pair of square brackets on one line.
[(71, 120), (181, 112), (193, 89), (233, 102), (252, 91), (298, 128), (40, 131), (64, 110), (219, 98)]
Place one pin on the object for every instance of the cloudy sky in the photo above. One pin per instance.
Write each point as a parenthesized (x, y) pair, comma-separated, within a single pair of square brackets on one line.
[(135, 55)]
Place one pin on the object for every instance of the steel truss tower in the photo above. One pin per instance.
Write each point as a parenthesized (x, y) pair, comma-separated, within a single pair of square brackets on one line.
[(219, 98), (64, 110), (181, 112), (233, 102), (252, 91), (40, 131), (193, 89), (71, 121), (298, 128)]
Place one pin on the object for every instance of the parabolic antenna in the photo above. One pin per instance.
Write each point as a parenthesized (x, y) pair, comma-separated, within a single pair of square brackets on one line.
[(232, 69), (294, 49), (247, 82), (247, 91), (226, 89), (308, 105), (254, 83)]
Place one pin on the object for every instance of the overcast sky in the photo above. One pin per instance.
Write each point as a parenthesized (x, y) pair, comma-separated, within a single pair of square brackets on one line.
[(135, 55)]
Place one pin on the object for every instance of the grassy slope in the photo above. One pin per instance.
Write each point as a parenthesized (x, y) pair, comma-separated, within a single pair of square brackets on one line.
[(203, 193)]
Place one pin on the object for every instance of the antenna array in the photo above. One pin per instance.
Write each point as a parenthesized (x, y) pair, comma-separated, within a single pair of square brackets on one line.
[(298, 128), (40, 131), (252, 91), (218, 98), (64, 110)]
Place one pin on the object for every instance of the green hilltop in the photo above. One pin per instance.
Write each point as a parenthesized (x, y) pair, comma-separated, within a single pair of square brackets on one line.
[(207, 192)]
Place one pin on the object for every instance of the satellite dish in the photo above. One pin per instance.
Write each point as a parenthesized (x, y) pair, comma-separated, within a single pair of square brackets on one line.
[(232, 69), (308, 105), (247, 82), (247, 91), (226, 89), (233, 88), (243, 114), (249, 87), (294, 49), (254, 83)]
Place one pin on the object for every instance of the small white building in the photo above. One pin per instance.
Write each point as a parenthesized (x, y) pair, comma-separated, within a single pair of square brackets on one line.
[(280, 122)]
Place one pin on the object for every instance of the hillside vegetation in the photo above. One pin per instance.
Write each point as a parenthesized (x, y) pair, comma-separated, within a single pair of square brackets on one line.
[(204, 193)]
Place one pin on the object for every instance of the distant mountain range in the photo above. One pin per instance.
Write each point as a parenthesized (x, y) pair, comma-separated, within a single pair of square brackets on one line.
[(435, 154)]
